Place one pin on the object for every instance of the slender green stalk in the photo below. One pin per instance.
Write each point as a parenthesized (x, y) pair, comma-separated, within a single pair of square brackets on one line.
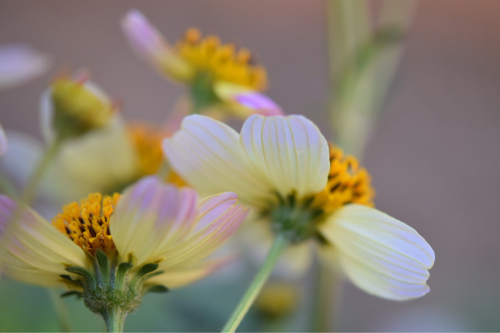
[(115, 320), (327, 286), (61, 311), (279, 245)]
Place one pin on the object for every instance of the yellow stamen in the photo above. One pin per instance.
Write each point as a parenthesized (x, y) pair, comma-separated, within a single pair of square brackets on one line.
[(147, 141), (347, 183), (223, 62), (87, 224)]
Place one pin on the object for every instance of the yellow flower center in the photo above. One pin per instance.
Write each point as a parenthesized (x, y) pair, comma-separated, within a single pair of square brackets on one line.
[(77, 109), (222, 62), (347, 183), (147, 142), (87, 224)]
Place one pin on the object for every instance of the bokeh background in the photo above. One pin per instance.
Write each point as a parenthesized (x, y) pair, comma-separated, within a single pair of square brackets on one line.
[(434, 158)]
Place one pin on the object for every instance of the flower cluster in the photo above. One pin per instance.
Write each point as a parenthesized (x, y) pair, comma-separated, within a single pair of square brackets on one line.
[(159, 201)]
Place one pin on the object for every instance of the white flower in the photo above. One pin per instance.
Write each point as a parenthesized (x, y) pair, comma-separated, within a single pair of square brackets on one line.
[(284, 163)]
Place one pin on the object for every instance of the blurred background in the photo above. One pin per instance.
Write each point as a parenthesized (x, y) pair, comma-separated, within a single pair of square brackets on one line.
[(434, 157)]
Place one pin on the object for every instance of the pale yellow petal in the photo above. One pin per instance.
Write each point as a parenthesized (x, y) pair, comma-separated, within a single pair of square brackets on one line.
[(289, 151), (208, 156), (150, 216), (32, 244), (380, 254)]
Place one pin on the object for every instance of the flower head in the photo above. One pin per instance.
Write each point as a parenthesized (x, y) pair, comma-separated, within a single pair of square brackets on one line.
[(285, 170), (205, 65), (73, 107), (153, 237)]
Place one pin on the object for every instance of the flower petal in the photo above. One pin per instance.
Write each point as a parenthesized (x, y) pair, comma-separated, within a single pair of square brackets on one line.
[(20, 63), (219, 217), (3, 141), (207, 155), (380, 254), (32, 250), (289, 151), (245, 102), (150, 45), (179, 278), (150, 216)]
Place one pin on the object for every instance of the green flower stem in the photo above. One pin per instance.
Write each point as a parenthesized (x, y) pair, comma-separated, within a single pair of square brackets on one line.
[(60, 307), (279, 245), (30, 190), (114, 320), (327, 287)]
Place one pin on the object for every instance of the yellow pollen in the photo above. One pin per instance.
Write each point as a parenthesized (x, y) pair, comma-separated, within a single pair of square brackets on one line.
[(87, 224), (347, 183), (223, 62), (147, 142)]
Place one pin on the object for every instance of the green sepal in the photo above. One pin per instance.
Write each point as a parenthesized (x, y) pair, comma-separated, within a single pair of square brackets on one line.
[(71, 293), (85, 273), (158, 288), (103, 263), (146, 269), (121, 273)]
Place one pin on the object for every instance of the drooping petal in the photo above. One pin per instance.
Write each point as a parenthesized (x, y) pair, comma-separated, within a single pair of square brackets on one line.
[(3, 141), (380, 254), (178, 278), (290, 151), (244, 102), (20, 63), (208, 156), (32, 250), (150, 216), (150, 45), (219, 217)]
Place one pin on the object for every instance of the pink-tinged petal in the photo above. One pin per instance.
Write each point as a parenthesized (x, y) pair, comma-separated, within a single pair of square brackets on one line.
[(20, 63), (175, 278), (208, 156), (3, 141), (150, 216), (218, 219), (289, 151), (244, 102), (381, 255), (32, 244), (150, 45)]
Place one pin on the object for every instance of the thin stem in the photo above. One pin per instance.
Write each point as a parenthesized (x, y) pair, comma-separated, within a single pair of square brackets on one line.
[(324, 318), (279, 245), (61, 311), (114, 320)]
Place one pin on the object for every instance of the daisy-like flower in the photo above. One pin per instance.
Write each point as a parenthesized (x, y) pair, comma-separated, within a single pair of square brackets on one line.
[(284, 169), (111, 250), (220, 77)]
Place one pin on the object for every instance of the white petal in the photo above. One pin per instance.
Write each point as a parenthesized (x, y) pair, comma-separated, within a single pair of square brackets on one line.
[(289, 151), (3, 141), (150, 216), (20, 63), (149, 44), (208, 156), (33, 246), (380, 254)]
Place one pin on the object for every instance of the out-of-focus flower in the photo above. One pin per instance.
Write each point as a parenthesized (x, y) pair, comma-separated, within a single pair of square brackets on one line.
[(218, 75), (72, 107), (20, 63), (283, 168), (277, 299), (111, 250), (107, 159)]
